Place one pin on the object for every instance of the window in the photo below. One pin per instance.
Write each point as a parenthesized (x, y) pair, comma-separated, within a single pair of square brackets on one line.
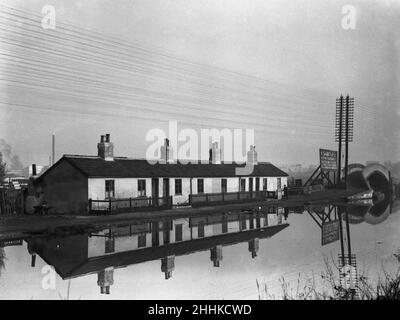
[(155, 236), (257, 184), (200, 185), (166, 237), (141, 240), (200, 229), (178, 186), (265, 184), (243, 223), (258, 222), (109, 244), (242, 185), (167, 226), (279, 183), (251, 224), (178, 232), (224, 225), (110, 189), (224, 184), (141, 188)]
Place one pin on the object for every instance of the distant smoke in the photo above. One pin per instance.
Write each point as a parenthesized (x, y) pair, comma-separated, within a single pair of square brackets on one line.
[(12, 160)]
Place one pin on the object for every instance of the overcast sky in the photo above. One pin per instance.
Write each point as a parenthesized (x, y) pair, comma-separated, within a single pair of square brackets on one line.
[(275, 66)]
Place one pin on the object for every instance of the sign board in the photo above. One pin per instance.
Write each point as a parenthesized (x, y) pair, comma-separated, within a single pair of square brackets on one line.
[(330, 232), (328, 160)]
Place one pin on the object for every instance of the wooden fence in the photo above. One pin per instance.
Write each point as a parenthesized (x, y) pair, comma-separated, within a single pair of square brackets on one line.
[(11, 201), (204, 199), (112, 206)]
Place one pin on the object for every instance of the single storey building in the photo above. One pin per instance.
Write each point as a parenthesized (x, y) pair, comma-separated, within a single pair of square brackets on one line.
[(75, 180)]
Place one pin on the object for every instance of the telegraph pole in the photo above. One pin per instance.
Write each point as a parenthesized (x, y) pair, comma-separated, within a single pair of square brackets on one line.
[(344, 131), (349, 131), (339, 129)]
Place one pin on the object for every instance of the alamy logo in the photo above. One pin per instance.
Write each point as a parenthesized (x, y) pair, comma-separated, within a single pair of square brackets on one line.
[(49, 17), (349, 18), (231, 140)]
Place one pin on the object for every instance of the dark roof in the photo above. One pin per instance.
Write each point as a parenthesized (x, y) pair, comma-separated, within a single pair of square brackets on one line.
[(131, 168)]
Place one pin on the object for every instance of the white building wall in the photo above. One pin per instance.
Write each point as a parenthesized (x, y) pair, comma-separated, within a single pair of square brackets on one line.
[(124, 187), (233, 226), (128, 187), (184, 197), (213, 185), (96, 244), (208, 185), (233, 184)]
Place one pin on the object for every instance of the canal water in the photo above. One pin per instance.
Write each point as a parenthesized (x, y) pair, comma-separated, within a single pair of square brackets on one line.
[(229, 256)]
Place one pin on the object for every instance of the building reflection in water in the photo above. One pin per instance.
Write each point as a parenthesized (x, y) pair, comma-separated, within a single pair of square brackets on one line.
[(335, 223), (103, 251)]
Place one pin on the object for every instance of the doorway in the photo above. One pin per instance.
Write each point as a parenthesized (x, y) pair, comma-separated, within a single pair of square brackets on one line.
[(154, 191), (166, 187)]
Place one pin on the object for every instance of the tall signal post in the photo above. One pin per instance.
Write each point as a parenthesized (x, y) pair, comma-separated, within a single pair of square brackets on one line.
[(344, 131)]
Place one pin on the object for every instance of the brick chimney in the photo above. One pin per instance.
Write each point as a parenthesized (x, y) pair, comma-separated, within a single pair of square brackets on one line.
[(215, 153), (216, 255), (105, 148), (254, 246), (167, 266), (167, 152), (252, 155), (105, 279)]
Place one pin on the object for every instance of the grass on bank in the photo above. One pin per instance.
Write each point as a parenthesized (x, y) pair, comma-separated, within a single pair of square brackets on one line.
[(387, 287)]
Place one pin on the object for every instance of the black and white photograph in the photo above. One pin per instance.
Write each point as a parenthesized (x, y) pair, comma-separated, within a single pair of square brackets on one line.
[(199, 150)]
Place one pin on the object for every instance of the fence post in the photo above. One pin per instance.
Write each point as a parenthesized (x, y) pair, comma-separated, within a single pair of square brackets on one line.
[(90, 205), (109, 205), (130, 203)]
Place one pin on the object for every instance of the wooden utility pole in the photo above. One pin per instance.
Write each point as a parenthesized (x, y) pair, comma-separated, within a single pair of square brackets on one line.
[(344, 131), (349, 130), (339, 126), (346, 161)]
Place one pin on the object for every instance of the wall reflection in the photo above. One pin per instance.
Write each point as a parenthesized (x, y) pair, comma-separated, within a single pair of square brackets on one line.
[(103, 251)]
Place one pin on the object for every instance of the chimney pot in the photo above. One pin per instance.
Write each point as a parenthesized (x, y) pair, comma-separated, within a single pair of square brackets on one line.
[(167, 155), (33, 169), (215, 153), (105, 148)]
